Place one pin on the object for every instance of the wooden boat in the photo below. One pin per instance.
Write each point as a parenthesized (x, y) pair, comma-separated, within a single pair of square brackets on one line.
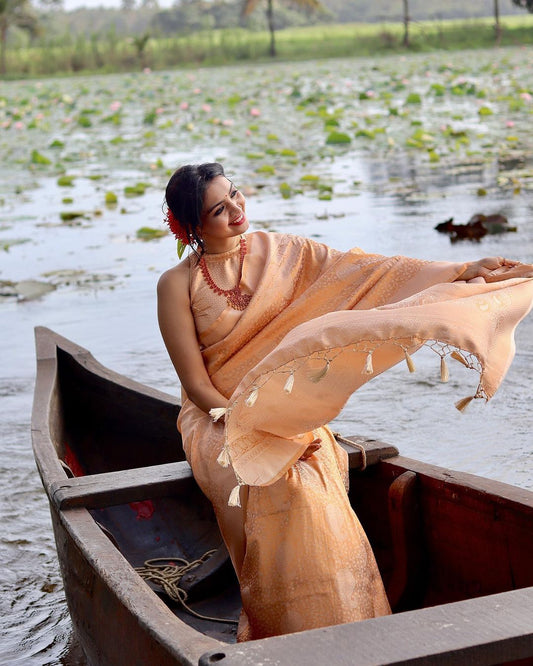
[(455, 550)]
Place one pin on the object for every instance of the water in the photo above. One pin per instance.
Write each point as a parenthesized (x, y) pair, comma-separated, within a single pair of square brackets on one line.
[(109, 308)]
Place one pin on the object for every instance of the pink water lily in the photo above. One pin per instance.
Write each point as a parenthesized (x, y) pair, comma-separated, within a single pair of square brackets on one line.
[(254, 111), (527, 97), (206, 107), (115, 106), (184, 106)]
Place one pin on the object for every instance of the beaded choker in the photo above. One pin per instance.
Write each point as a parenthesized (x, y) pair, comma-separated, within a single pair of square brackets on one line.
[(234, 296)]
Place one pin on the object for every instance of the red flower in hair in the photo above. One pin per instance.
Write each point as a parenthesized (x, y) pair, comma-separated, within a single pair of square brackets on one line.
[(178, 231)]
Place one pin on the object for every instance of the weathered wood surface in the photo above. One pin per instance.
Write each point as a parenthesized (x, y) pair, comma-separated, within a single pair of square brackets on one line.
[(130, 485), (375, 450), (116, 615), (481, 632), (134, 485)]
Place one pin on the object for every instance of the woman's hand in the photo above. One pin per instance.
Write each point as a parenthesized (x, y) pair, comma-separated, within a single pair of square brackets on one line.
[(494, 269), (312, 448)]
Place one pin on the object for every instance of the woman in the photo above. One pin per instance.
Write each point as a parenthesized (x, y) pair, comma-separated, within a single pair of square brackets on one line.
[(270, 334)]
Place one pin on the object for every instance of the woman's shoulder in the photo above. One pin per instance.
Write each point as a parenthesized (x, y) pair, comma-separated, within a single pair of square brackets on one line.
[(175, 278)]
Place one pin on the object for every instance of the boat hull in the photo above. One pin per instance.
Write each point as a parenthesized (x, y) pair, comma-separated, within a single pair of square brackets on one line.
[(454, 549)]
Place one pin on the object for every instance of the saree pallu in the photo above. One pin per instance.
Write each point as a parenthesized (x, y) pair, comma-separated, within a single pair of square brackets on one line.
[(320, 324)]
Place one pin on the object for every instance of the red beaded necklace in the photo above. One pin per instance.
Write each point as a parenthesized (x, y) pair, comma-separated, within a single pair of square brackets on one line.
[(234, 296)]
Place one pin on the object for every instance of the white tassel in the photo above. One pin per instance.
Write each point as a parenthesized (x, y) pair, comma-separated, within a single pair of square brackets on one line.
[(315, 377), (369, 368), (409, 361), (250, 400), (223, 459), (459, 357), (444, 372), (217, 413), (234, 498), (289, 384), (462, 404)]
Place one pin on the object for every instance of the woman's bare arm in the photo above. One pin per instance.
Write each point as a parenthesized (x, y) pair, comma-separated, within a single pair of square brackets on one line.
[(495, 269), (179, 335)]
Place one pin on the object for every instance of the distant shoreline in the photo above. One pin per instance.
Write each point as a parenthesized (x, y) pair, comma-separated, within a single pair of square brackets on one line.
[(105, 53)]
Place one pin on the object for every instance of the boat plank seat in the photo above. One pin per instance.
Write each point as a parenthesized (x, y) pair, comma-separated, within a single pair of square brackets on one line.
[(96, 491)]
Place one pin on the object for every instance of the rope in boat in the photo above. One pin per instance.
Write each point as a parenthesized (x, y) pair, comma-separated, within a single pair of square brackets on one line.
[(358, 445), (167, 572)]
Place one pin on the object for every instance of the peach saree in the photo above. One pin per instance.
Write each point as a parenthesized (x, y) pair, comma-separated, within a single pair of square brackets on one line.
[(320, 324)]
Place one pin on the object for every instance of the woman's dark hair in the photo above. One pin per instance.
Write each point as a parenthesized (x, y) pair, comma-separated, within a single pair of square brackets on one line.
[(184, 196)]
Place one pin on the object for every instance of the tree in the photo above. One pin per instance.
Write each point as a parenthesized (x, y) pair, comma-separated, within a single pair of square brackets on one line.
[(15, 14), (140, 42), (406, 20), (497, 24), (249, 6), (525, 4)]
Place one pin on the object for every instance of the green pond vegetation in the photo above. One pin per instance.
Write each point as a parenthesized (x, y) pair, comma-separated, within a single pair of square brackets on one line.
[(109, 52), (282, 135)]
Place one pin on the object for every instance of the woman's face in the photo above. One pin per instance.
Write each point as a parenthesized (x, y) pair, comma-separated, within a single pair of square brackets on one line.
[(223, 215)]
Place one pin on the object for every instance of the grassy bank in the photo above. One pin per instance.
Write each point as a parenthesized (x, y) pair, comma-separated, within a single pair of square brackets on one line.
[(106, 53)]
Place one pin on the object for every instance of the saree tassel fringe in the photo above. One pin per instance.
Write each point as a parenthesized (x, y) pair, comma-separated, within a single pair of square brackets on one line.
[(459, 357), (444, 372), (462, 404), (369, 368), (289, 384), (217, 413), (409, 361), (315, 377), (223, 459), (235, 498), (251, 399)]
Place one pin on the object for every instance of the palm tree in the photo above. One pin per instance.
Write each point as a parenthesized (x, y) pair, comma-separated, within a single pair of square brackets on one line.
[(249, 6), (19, 14)]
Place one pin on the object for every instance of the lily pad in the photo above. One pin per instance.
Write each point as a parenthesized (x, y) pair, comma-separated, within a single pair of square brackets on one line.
[(338, 137), (413, 98), (38, 158), (70, 215), (148, 233), (65, 181), (135, 190), (266, 168), (285, 190)]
